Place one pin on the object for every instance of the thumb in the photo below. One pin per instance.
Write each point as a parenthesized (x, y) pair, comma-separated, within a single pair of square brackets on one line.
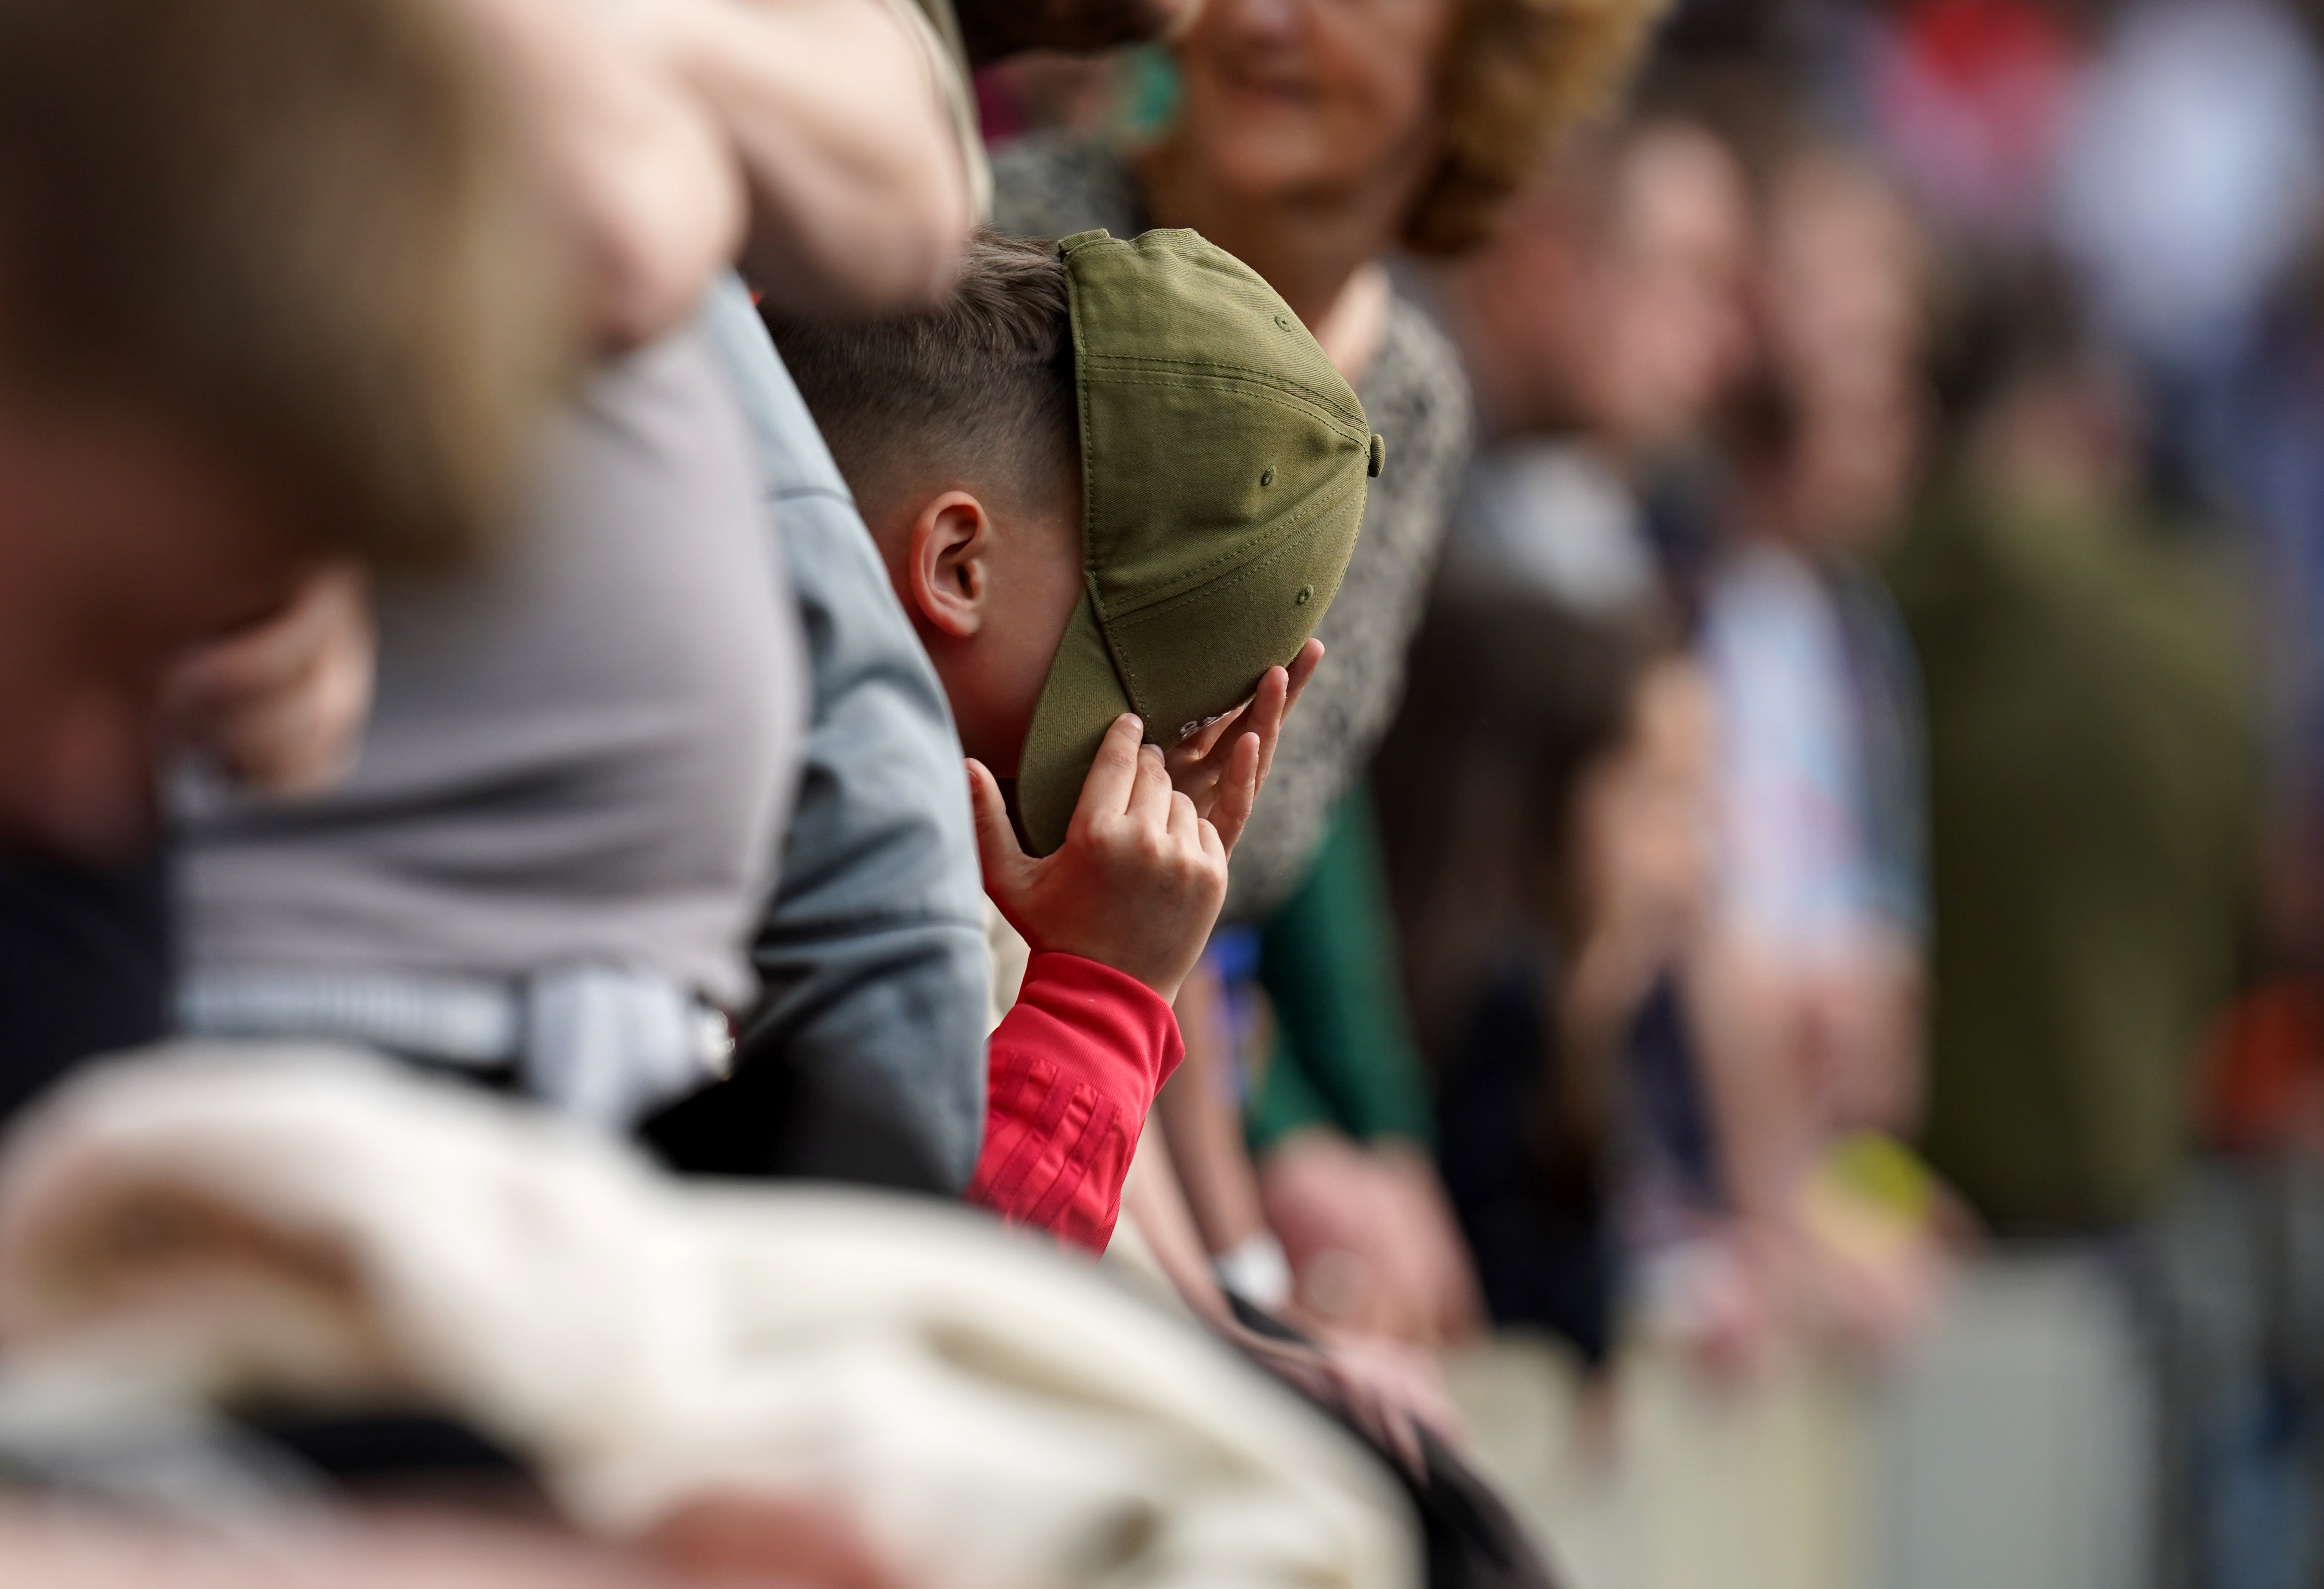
[(1008, 869)]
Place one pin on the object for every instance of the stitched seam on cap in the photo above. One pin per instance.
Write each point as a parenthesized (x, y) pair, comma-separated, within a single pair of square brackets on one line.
[(1241, 549), (1131, 361), (1106, 362), (1082, 400), (1251, 552), (1252, 390), (1123, 670), (1278, 529), (1300, 399), (1157, 611)]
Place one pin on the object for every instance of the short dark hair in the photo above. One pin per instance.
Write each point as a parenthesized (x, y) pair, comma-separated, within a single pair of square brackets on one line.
[(981, 386), (305, 227)]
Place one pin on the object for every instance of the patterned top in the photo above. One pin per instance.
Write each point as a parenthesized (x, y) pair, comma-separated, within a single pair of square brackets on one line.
[(1415, 396)]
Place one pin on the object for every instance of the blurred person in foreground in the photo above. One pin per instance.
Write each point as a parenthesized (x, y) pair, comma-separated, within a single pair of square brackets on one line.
[(648, 129), (226, 370), (279, 292), (1312, 141), (542, 868)]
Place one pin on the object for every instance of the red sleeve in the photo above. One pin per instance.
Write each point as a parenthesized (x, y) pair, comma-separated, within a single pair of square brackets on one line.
[(1071, 1072)]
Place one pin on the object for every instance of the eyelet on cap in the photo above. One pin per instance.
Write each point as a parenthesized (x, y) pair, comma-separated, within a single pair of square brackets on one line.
[(1283, 322), (1378, 459), (1267, 475), (1306, 594)]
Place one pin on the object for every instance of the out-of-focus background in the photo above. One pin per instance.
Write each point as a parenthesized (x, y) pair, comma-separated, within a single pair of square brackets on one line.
[(1853, 832)]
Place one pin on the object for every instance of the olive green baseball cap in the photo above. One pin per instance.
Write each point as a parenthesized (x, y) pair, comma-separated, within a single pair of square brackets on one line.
[(1223, 463)]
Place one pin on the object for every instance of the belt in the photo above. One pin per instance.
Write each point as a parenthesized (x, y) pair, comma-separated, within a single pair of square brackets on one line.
[(608, 1045)]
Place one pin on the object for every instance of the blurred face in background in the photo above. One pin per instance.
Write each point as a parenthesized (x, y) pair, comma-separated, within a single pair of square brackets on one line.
[(1665, 309), (1841, 282), (1643, 817), (1286, 99), (1842, 286), (124, 539), (1613, 299)]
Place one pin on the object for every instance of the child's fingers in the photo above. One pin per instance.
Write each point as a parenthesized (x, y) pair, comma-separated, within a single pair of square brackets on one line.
[(1004, 859), (1114, 775), (1268, 704), (1237, 792), (1269, 708), (1207, 831), (1303, 667), (1183, 819), (1151, 792)]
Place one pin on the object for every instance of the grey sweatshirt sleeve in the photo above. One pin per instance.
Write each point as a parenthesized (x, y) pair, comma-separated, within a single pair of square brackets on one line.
[(865, 1058)]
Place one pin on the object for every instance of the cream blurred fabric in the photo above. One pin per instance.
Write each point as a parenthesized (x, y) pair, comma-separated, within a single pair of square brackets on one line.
[(319, 1224)]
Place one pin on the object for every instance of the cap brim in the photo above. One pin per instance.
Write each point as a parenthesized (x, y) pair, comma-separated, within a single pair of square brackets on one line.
[(1079, 702)]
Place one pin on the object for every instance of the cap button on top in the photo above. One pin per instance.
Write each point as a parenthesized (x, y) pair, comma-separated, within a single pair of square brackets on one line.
[(1378, 459)]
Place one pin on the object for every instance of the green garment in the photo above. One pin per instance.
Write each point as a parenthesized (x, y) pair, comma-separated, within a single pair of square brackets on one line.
[(1344, 1054), (2093, 759)]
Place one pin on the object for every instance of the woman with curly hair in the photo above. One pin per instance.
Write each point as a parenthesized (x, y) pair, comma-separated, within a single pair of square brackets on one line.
[(1313, 139)]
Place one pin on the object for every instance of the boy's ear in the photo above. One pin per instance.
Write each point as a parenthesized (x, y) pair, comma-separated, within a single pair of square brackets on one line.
[(947, 565)]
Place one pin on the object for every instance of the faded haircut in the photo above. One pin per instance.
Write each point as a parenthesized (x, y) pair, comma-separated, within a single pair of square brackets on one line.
[(304, 228), (979, 388)]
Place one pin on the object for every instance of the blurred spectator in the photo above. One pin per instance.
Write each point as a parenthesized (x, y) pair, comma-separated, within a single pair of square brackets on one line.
[(2284, 490), (1597, 328), (2092, 766), (2094, 780), (1338, 1112), (1970, 100), (2193, 172), (1809, 984), (1540, 799)]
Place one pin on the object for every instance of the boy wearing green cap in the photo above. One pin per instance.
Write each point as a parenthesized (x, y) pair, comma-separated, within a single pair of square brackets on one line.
[(1115, 484)]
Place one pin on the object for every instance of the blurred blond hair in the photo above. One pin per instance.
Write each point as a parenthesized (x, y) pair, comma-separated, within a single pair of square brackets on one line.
[(1516, 75), (303, 226)]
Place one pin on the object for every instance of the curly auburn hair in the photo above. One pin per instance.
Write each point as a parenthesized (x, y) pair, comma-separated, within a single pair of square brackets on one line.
[(1514, 75)]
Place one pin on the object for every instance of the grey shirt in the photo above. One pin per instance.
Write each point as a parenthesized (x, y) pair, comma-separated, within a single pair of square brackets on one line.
[(578, 757), (865, 1058), (1417, 397)]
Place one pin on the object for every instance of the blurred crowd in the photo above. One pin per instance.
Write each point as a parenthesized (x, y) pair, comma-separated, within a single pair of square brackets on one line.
[(1853, 806), (1773, 751)]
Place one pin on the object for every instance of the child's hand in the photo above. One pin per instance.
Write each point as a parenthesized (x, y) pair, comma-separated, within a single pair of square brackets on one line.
[(1223, 775), (1138, 883)]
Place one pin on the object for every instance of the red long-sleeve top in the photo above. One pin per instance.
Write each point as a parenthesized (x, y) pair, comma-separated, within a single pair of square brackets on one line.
[(1071, 1071)]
